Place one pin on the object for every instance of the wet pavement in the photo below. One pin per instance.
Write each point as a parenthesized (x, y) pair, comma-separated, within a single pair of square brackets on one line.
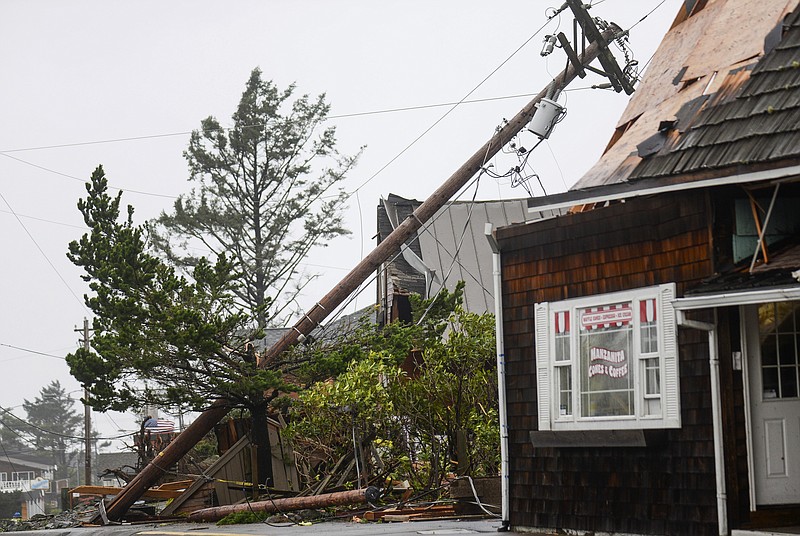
[(335, 528)]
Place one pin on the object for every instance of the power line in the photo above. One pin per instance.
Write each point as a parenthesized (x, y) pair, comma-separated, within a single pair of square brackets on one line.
[(84, 181), (57, 434), (186, 133), (448, 112), (29, 351), (81, 227), (647, 15), (43, 253)]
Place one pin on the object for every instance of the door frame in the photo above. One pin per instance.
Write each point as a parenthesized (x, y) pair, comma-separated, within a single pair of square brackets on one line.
[(746, 313), (748, 408)]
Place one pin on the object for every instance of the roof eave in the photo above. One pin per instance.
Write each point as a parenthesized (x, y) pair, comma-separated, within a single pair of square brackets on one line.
[(643, 187), (736, 298)]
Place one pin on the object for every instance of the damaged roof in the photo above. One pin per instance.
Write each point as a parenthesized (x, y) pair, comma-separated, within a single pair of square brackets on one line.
[(722, 90), (781, 272), (754, 118)]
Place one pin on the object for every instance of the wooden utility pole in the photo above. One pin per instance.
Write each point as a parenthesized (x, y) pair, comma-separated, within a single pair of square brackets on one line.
[(195, 431), (426, 210), (87, 415), (618, 79), (156, 469), (290, 504)]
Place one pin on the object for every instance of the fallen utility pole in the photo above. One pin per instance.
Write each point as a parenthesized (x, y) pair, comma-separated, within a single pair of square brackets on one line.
[(148, 476), (277, 506), (612, 71), (426, 210), (200, 427)]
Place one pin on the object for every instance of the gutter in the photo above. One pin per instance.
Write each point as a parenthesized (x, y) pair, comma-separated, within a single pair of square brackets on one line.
[(727, 299), (501, 376), (716, 414), (642, 187)]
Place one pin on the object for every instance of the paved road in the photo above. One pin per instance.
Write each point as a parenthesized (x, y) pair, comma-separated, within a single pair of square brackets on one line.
[(334, 528)]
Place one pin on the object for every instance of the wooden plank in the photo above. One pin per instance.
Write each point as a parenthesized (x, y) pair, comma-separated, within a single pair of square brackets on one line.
[(213, 472), (410, 513), (151, 493), (178, 485)]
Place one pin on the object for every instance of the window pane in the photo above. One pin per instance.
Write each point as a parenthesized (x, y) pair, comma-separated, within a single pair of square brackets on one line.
[(565, 391), (786, 353), (769, 350), (788, 382), (562, 331), (652, 377), (652, 406), (649, 327), (606, 379), (778, 328), (784, 317), (769, 380)]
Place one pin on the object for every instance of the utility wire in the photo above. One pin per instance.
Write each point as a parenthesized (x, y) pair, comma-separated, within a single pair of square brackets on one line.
[(29, 351), (81, 227), (37, 166), (453, 106), (448, 112), (458, 246), (57, 434), (647, 15), (185, 133), (43, 253)]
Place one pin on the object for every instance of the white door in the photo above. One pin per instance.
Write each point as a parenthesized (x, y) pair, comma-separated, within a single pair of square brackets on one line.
[(773, 347)]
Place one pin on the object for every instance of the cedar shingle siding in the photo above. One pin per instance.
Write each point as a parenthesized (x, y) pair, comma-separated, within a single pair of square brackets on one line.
[(667, 487)]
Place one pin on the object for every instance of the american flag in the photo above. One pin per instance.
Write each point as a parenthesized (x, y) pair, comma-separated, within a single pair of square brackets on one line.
[(159, 426)]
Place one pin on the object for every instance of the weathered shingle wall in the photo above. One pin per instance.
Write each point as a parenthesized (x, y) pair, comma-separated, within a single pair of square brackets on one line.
[(667, 488)]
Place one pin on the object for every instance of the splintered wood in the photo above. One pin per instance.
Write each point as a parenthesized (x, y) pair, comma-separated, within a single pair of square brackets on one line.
[(412, 513)]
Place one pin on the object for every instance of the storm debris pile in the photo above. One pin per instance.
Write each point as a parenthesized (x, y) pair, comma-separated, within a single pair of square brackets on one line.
[(66, 519)]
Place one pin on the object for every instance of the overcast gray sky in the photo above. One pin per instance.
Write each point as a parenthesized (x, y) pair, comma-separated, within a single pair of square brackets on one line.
[(122, 83)]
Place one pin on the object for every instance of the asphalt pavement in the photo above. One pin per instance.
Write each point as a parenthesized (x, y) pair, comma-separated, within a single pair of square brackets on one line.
[(334, 528)]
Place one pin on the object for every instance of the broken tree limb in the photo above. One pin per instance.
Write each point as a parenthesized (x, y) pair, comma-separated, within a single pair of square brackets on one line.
[(290, 504), (118, 506)]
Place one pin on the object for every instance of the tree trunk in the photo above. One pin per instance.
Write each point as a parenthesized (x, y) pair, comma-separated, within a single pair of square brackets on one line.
[(260, 441)]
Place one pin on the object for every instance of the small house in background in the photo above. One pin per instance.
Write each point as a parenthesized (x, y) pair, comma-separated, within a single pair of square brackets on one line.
[(652, 334), (449, 248), (29, 474)]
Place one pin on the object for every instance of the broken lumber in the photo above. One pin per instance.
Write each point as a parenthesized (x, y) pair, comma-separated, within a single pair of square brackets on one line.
[(411, 513), (341, 498)]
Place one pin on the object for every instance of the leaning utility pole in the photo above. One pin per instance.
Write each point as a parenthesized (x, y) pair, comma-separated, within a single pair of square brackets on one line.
[(313, 318)]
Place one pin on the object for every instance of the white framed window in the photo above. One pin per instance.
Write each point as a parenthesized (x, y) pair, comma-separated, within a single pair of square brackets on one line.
[(608, 361)]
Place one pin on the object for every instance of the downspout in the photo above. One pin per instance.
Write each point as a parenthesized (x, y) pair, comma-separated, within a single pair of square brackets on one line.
[(501, 376), (716, 414)]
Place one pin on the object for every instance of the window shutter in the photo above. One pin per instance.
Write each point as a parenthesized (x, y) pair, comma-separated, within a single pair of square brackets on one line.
[(671, 381), (542, 357)]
